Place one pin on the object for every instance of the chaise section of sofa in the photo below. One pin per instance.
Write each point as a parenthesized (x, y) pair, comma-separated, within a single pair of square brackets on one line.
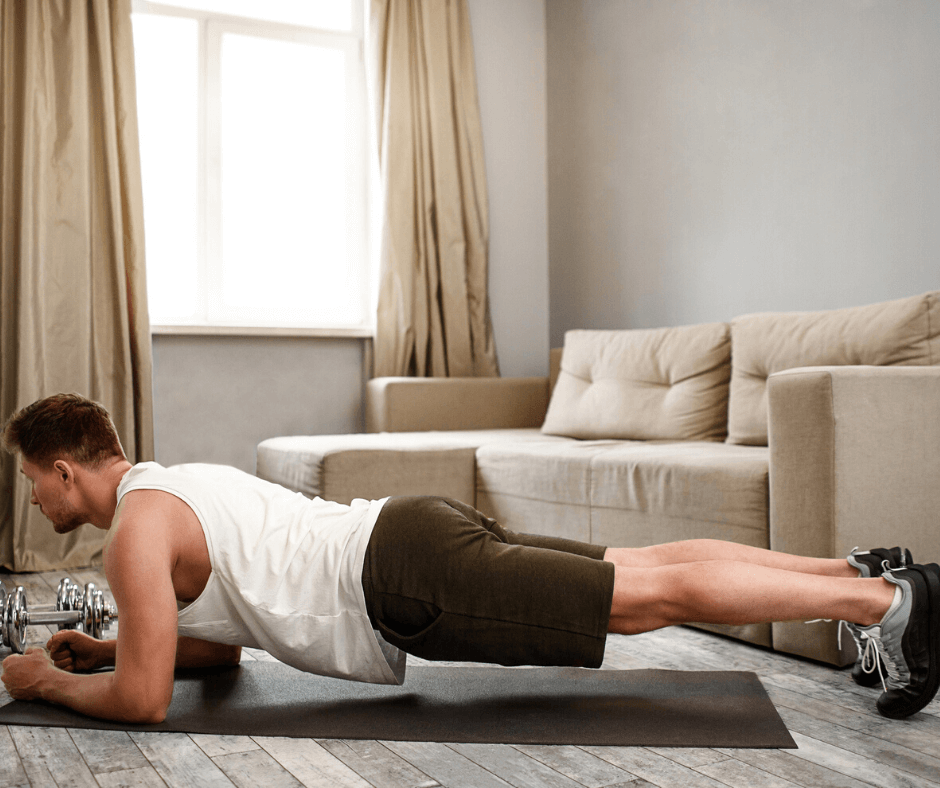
[(375, 465)]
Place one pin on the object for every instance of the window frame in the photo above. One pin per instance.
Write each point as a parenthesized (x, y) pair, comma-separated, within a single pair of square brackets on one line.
[(212, 26)]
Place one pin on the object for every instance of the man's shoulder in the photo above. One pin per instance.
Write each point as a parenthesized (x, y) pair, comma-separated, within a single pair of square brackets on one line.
[(145, 512)]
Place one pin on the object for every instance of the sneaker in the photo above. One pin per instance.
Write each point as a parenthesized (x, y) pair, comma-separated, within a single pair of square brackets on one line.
[(867, 671), (874, 563), (908, 641)]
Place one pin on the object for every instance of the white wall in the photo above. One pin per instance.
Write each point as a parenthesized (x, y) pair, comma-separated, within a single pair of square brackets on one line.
[(709, 158)]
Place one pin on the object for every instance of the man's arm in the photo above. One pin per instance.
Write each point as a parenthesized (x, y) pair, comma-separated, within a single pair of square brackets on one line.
[(138, 562), (195, 653), (76, 652)]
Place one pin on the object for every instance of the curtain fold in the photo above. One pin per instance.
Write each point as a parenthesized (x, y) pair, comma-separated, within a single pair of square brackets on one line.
[(433, 311), (73, 303)]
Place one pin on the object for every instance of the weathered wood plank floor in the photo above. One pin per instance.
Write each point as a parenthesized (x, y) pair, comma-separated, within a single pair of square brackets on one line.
[(843, 742)]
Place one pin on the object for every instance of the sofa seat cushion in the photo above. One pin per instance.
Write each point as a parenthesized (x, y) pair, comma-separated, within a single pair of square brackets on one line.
[(905, 331), (722, 490), (542, 488), (667, 384), (374, 465), (627, 493), (558, 471)]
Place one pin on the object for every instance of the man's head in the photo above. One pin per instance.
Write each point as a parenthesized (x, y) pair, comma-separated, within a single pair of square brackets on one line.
[(59, 437), (63, 426)]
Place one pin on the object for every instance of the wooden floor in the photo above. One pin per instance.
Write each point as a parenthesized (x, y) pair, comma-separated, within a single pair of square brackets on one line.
[(842, 740)]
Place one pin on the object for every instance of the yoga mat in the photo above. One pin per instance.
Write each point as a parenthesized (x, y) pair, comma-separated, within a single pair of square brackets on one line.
[(661, 708)]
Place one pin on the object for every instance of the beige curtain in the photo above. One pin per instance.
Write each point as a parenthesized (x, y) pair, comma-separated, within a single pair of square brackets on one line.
[(73, 309), (433, 311)]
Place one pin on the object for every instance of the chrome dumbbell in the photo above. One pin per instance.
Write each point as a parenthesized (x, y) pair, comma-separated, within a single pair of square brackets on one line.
[(86, 611)]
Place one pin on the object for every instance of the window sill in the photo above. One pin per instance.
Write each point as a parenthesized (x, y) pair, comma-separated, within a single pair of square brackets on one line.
[(262, 331)]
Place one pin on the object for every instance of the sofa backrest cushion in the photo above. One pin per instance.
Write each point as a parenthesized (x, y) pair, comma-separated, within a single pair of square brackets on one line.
[(901, 332), (657, 384)]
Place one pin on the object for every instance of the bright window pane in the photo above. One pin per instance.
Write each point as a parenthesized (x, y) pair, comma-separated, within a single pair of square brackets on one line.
[(328, 14), (284, 184), (166, 107)]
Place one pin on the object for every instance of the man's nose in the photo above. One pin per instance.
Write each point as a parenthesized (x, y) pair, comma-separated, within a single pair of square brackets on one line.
[(33, 499)]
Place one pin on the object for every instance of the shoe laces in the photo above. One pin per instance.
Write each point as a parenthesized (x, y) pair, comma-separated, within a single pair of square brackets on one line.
[(870, 652), (874, 648), (870, 646)]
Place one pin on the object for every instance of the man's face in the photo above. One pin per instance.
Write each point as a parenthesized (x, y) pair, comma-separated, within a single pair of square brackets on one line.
[(50, 494)]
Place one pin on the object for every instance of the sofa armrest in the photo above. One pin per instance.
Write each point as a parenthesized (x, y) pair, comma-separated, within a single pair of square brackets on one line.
[(417, 404), (854, 461)]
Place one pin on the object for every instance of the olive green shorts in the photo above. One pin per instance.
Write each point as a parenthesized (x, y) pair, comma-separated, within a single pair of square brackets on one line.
[(444, 582)]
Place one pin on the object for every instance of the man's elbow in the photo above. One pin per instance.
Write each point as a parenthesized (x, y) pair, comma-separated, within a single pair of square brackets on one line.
[(152, 716), (232, 655), (143, 712), (148, 706)]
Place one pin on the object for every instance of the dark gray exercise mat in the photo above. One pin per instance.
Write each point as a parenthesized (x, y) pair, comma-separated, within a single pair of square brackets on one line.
[(661, 708)]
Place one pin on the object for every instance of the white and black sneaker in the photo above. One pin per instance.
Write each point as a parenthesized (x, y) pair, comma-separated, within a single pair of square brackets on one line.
[(867, 670), (908, 641)]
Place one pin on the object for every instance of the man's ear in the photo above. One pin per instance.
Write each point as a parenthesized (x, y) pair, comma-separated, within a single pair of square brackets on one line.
[(65, 471)]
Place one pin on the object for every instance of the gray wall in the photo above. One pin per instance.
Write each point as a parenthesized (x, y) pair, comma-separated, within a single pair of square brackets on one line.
[(215, 398), (709, 158), (509, 49)]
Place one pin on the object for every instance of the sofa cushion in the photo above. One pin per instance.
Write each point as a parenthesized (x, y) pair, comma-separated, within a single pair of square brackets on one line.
[(627, 493), (374, 465), (903, 332), (558, 470), (537, 487), (692, 481), (657, 384)]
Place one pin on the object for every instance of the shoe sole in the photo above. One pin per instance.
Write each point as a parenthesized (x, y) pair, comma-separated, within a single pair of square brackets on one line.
[(932, 684)]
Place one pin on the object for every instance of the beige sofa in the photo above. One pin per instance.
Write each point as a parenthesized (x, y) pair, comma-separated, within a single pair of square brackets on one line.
[(811, 433)]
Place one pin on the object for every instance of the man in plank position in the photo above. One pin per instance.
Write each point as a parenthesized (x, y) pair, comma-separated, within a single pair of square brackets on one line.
[(203, 560)]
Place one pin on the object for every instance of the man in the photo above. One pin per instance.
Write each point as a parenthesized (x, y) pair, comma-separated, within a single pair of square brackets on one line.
[(202, 560)]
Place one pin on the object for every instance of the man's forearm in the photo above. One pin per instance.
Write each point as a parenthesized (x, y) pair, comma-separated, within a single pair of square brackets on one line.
[(190, 653), (101, 695), (107, 652), (195, 653)]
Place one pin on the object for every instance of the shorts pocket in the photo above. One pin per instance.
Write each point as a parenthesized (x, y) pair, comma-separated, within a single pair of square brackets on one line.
[(406, 622)]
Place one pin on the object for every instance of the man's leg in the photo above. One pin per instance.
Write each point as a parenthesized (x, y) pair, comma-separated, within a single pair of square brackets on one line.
[(898, 612), (695, 550), (733, 592)]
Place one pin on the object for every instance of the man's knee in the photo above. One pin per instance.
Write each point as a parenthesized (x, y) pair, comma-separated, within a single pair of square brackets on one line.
[(642, 600)]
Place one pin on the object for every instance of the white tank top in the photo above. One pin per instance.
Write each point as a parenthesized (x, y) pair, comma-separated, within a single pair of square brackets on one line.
[(286, 571)]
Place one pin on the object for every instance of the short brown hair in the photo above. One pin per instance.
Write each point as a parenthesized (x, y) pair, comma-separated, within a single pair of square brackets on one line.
[(63, 425)]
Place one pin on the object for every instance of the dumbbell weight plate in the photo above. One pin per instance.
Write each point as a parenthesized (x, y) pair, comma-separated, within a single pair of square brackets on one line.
[(68, 598), (15, 619), (96, 616)]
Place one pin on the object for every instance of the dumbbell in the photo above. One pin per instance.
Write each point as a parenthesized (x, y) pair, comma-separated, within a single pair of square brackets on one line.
[(73, 609)]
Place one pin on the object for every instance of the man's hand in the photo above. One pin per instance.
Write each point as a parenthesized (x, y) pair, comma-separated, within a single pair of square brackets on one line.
[(22, 673), (77, 652)]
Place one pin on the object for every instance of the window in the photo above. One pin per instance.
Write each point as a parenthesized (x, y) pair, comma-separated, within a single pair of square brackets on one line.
[(254, 162)]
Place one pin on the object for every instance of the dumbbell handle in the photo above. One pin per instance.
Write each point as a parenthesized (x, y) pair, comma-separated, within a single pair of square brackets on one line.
[(39, 617)]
